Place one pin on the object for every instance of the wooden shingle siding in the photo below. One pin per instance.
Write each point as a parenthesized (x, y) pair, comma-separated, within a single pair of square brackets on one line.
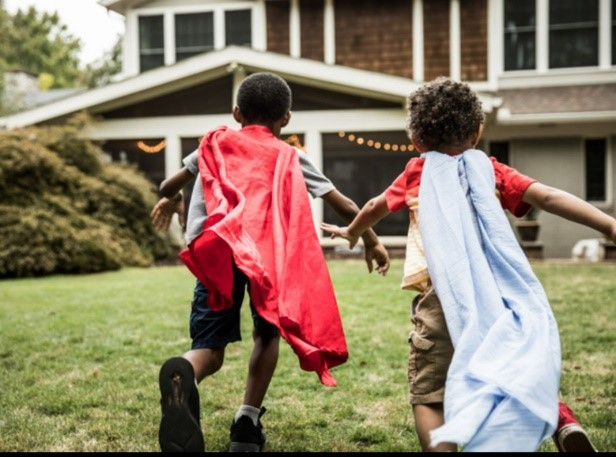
[(474, 40), (375, 36), (436, 38), (277, 19), (312, 40)]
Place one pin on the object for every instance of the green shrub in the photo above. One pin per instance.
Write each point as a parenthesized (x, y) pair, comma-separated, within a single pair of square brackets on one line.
[(65, 211)]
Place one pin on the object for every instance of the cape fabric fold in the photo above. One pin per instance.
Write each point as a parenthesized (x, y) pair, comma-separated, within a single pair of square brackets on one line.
[(501, 392), (259, 216)]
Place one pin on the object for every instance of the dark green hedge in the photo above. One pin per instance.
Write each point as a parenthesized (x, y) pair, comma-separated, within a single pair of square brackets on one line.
[(63, 209)]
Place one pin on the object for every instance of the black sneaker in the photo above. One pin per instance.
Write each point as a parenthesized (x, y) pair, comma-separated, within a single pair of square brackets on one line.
[(180, 428), (246, 436)]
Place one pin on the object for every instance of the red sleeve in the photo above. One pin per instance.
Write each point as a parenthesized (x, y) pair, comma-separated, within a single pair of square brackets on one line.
[(511, 185), (405, 185)]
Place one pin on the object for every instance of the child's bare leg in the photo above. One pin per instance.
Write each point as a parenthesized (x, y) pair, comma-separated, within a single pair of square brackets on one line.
[(262, 365), (427, 418), (206, 361)]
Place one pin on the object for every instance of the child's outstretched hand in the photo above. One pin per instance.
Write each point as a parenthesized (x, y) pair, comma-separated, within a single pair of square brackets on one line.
[(342, 232), (164, 210), (380, 256)]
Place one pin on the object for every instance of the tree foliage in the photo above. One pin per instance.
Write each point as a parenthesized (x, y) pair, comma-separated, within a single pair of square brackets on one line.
[(39, 42), (65, 210)]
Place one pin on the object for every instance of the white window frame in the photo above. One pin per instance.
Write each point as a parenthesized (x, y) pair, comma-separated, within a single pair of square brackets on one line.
[(131, 38), (604, 72)]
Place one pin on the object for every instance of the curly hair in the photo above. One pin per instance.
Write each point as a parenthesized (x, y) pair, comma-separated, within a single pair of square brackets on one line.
[(443, 113), (264, 97)]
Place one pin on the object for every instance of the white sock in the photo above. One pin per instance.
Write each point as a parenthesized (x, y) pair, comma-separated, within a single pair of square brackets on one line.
[(250, 411)]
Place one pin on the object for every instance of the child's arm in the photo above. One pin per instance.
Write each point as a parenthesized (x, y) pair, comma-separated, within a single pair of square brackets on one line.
[(372, 212), (347, 210), (172, 201), (568, 206)]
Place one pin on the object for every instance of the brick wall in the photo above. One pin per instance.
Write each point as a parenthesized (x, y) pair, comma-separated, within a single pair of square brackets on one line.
[(436, 38), (474, 40), (311, 35), (375, 36), (277, 19)]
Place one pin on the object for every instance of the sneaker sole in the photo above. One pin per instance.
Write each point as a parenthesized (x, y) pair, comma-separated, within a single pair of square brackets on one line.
[(179, 431), (573, 438)]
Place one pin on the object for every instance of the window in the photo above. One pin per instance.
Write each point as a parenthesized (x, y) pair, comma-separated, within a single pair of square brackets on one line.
[(500, 151), (151, 42), (238, 28), (194, 34), (595, 161), (574, 33), (519, 26)]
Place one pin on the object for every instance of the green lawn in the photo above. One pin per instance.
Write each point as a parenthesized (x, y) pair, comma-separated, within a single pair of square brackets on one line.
[(79, 361)]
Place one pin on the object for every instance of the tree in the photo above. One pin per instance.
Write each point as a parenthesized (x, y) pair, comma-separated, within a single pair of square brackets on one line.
[(101, 72), (40, 43)]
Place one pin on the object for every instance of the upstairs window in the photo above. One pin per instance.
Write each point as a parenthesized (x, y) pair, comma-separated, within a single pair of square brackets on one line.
[(238, 27), (151, 42), (567, 35), (194, 34), (520, 32), (574, 33), (595, 165)]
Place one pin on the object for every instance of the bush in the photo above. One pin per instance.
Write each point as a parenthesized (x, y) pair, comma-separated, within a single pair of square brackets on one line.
[(65, 211)]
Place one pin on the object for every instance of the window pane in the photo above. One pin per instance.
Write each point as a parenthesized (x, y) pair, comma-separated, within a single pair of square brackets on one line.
[(574, 33), (238, 28), (194, 34), (519, 29), (151, 42), (500, 151), (595, 170)]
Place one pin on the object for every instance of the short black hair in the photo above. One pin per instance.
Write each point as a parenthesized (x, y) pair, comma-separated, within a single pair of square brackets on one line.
[(264, 97), (443, 113)]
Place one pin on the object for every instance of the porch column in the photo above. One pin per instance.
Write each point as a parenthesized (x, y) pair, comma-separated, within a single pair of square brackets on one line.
[(173, 163), (314, 148)]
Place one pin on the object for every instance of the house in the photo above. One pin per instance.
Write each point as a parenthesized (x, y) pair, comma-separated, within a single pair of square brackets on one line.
[(545, 71)]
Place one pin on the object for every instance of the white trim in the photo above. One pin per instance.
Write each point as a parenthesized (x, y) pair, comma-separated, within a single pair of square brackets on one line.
[(455, 70), (130, 46), (219, 29), (557, 77), (329, 32), (314, 148), (605, 34), (418, 41), (301, 122), (504, 117), (173, 155), (495, 42), (207, 66), (169, 37), (542, 34), (295, 41), (259, 27)]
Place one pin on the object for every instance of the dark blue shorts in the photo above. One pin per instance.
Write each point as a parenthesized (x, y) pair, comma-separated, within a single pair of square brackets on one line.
[(214, 329)]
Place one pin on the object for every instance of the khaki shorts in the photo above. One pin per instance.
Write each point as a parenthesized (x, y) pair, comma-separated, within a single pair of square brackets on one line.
[(431, 350)]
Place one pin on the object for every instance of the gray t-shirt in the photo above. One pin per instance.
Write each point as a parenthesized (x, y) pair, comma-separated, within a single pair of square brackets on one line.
[(317, 185)]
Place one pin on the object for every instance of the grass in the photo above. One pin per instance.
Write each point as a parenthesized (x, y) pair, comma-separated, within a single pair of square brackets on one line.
[(79, 361)]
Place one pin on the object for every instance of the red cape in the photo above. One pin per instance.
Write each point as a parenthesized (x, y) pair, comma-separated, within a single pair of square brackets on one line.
[(259, 216)]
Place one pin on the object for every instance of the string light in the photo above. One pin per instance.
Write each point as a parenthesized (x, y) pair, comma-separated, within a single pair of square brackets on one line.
[(151, 149), (374, 144), (294, 140)]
